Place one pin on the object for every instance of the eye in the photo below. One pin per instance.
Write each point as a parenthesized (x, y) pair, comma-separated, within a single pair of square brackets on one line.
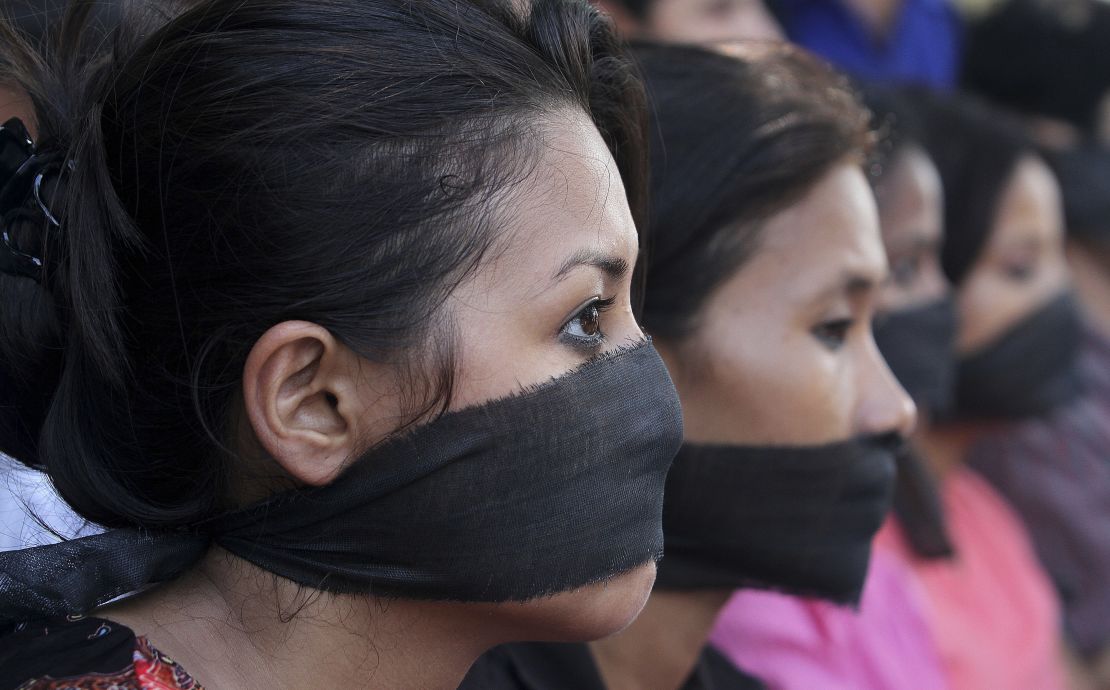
[(1020, 272), (833, 333), (904, 271), (584, 329)]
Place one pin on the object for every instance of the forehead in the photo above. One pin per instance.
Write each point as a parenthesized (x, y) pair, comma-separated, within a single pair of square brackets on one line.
[(1029, 209), (910, 198), (573, 199), (831, 233)]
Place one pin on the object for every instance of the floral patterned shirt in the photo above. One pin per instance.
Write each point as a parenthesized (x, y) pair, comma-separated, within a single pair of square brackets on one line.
[(78, 653)]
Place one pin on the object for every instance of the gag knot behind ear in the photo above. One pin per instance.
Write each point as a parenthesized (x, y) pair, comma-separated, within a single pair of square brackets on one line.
[(24, 167)]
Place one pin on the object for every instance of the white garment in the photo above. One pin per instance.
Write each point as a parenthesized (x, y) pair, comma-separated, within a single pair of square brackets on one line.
[(30, 508)]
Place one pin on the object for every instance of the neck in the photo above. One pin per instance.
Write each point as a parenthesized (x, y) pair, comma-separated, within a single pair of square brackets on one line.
[(661, 647), (238, 626)]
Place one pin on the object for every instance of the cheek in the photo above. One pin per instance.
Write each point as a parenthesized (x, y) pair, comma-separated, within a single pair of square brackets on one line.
[(770, 388), (498, 351), (494, 367), (990, 304)]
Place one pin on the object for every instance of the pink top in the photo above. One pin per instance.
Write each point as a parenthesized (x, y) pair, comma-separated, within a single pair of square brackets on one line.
[(992, 611), (793, 643)]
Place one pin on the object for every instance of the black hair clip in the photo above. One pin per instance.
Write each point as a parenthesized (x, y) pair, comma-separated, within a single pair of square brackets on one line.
[(22, 170)]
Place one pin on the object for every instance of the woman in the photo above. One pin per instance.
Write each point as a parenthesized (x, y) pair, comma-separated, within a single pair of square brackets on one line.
[(762, 282), (283, 283), (991, 608), (796, 642), (694, 21)]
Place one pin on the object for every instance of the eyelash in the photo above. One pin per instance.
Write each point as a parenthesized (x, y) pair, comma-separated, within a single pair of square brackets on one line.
[(593, 310), (833, 333)]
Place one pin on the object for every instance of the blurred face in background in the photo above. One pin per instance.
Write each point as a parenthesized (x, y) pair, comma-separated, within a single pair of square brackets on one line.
[(14, 102), (1022, 265), (699, 21), (782, 353), (911, 215)]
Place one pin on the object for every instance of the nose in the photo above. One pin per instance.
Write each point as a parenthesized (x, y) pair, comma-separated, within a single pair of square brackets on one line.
[(883, 406)]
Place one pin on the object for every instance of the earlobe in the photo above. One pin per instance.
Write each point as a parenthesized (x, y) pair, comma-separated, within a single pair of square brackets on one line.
[(300, 401)]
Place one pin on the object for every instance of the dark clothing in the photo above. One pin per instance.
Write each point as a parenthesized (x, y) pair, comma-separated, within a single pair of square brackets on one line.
[(551, 666), (85, 654), (1055, 471)]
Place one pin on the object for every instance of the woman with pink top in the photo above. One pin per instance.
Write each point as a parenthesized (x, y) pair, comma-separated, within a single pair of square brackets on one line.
[(885, 644), (989, 609)]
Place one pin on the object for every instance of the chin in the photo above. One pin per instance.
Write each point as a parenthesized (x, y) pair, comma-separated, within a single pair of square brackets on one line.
[(584, 614)]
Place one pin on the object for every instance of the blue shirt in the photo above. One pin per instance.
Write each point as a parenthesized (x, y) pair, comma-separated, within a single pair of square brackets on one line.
[(923, 45)]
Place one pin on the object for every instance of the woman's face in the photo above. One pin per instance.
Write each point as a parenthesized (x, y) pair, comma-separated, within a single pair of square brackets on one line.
[(783, 353), (548, 295), (555, 294), (14, 102), (710, 21), (1022, 265), (911, 210)]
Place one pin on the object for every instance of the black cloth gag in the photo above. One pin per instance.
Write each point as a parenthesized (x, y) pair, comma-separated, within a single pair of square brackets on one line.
[(919, 345), (544, 491), (1027, 371), (793, 519)]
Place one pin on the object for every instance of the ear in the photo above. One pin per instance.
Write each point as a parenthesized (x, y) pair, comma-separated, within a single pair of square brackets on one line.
[(301, 396)]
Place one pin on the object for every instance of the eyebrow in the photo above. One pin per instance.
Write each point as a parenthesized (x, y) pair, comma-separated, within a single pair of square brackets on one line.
[(852, 284), (855, 284), (613, 266), (1029, 240)]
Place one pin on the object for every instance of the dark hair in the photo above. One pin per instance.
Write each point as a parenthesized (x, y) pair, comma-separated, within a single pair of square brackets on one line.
[(249, 162), (1040, 58), (1084, 177), (734, 142), (34, 19), (976, 149)]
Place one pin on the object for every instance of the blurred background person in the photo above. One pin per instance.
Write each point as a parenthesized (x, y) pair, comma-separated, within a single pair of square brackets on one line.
[(916, 41), (992, 610), (693, 21), (1047, 61), (797, 643)]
